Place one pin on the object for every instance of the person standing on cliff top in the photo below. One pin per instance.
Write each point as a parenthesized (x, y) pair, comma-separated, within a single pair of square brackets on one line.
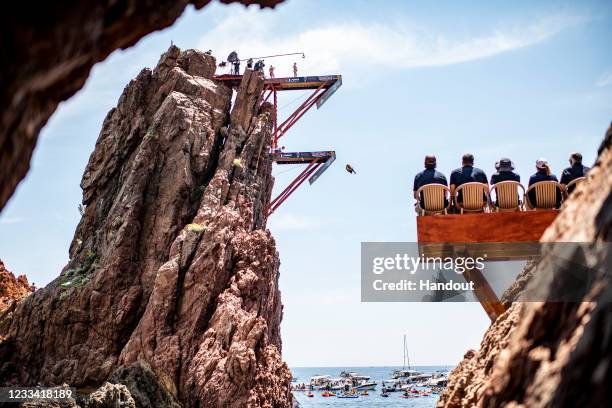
[(294, 70), (271, 71), (576, 170), (428, 176)]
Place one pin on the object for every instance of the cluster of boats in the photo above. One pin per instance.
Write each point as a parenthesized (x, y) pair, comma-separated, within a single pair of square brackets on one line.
[(408, 379), (352, 385)]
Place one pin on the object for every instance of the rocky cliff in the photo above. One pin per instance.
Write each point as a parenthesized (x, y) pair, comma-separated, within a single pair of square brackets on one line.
[(171, 288), (48, 49), (12, 288), (550, 353)]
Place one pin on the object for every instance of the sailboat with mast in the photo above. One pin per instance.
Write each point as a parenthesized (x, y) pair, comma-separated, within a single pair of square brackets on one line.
[(406, 375)]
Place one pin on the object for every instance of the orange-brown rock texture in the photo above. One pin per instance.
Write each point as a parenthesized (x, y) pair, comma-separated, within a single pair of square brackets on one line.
[(47, 52), (551, 353), (12, 288), (172, 284)]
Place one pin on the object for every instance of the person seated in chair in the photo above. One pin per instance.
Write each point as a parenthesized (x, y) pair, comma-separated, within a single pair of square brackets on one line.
[(467, 173), (542, 173), (505, 172), (429, 176), (576, 170)]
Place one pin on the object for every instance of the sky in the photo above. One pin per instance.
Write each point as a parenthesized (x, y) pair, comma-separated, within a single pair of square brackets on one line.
[(518, 79)]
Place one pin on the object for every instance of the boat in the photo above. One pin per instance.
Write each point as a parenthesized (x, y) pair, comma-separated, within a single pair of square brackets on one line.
[(392, 385), (358, 381), (310, 394), (437, 379), (318, 381)]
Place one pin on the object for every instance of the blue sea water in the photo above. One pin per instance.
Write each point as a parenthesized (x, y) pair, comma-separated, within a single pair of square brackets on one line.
[(377, 374)]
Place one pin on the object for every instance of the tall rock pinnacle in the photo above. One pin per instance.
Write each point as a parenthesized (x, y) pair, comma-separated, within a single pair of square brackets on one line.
[(172, 276)]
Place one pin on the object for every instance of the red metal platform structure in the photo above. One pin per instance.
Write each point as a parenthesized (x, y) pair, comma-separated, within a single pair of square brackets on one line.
[(323, 88)]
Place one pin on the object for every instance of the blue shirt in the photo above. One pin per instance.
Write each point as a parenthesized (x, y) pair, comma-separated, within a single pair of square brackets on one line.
[(428, 176), (467, 174), (504, 176), (572, 173), (541, 175)]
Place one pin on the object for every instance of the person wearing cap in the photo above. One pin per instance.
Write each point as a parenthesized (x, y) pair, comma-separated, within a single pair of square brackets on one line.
[(429, 176), (576, 170), (543, 173), (467, 173)]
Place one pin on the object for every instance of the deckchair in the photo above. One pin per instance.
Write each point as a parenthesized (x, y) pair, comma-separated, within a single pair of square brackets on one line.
[(475, 197), (545, 195), (507, 196), (436, 199)]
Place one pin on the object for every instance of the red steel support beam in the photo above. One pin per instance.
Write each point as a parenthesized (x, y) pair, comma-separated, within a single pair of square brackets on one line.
[(281, 129), (307, 172)]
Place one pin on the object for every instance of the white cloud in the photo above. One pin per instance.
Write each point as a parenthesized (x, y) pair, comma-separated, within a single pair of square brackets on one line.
[(292, 222), (605, 79), (399, 44), (11, 220)]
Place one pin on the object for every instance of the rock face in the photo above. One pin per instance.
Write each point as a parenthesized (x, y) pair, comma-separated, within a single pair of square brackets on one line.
[(171, 288), (553, 354), (48, 50), (11, 288)]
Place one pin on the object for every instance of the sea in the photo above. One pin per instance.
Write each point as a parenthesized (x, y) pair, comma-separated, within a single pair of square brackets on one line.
[(377, 374)]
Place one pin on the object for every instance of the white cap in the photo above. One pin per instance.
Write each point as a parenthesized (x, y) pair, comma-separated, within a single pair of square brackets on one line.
[(541, 163)]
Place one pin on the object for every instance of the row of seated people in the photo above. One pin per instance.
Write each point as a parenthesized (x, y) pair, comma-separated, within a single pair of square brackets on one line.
[(435, 196)]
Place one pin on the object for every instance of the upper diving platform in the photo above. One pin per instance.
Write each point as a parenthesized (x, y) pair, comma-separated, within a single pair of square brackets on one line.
[(290, 83)]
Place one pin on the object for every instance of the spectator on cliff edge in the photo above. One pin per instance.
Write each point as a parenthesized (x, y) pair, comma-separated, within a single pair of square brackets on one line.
[(543, 173), (467, 173), (428, 176), (576, 170)]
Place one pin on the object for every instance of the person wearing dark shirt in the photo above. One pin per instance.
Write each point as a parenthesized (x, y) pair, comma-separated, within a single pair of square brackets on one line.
[(505, 172), (467, 173), (576, 170), (428, 176), (542, 173)]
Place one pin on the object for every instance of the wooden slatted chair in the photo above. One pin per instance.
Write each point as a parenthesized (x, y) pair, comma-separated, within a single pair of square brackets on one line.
[(475, 197), (545, 195), (434, 197), (572, 185), (507, 196)]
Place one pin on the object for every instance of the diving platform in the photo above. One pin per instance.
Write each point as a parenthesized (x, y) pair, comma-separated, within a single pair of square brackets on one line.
[(317, 163), (288, 83), (322, 87)]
